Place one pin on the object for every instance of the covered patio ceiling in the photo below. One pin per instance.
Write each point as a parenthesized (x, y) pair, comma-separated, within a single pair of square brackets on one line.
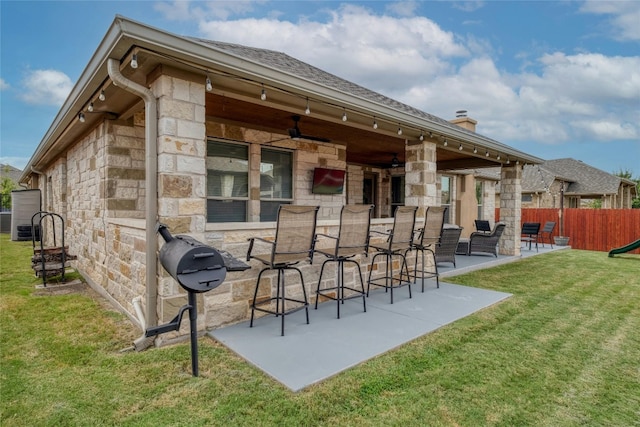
[(364, 145)]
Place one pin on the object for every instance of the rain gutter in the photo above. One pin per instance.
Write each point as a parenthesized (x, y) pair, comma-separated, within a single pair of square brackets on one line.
[(151, 185)]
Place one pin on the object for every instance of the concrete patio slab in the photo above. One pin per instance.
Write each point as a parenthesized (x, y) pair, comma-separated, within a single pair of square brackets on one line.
[(308, 354)]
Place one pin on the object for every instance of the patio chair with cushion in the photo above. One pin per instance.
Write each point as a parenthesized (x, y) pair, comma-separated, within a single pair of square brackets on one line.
[(530, 231), (482, 242), (397, 244), (483, 225), (294, 243), (428, 240), (548, 228), (353, 239), (446, 250)]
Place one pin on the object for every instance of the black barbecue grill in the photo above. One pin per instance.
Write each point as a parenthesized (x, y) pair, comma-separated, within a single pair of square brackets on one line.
[(197, 268)]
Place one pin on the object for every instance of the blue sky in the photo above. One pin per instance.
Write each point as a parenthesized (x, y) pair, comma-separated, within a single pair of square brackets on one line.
[(553, 79)]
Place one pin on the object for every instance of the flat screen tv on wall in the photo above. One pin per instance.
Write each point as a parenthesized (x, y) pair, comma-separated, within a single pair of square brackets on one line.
[(328, 181)]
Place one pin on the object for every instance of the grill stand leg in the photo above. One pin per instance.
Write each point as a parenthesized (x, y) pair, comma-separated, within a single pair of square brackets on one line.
[(193, 319)]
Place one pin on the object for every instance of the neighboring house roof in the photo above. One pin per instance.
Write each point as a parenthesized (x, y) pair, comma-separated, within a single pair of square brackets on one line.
[(581, 178), (584, 179), (537, 179), (11, 172)]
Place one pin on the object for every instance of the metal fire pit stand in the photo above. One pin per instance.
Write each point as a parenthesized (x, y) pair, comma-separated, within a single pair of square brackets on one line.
[(197, 268), (174, 325)]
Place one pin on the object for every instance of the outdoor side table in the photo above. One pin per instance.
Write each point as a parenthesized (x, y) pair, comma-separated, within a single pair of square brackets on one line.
[(463, 247)]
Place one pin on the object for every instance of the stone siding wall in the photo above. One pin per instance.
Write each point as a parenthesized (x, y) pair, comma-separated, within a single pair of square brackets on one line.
[(102, 182)]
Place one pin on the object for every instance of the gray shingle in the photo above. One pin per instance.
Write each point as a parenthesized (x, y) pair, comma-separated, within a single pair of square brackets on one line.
[(586, 179)]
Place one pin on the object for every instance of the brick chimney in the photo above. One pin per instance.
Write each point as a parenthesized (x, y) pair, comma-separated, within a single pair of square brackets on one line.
[(463, 121)]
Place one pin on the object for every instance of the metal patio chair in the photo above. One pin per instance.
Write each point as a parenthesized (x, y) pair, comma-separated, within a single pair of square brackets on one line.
[(482, 225), (397, 244), (530, 231), (353, 239), (294, 243), (548, 228), (428, 240)]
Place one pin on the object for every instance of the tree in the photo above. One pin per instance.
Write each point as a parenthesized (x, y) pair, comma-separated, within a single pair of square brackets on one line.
[(6, 186), (635, 204)]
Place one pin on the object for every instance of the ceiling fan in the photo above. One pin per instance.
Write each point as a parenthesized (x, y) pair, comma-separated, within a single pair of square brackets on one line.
[(295, 132)]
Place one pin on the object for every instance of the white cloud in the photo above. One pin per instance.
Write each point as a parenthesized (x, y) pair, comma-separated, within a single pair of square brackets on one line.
[(412, 59), (624, 16), (402, 8), (607, 129), (468, 6), (183, 10), (354, 44), (46, 87), (4, 85)]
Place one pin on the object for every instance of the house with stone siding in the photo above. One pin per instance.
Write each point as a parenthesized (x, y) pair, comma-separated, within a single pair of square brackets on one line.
[(209, 138)]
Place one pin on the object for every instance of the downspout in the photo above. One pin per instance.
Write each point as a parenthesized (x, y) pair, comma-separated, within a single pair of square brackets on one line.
[(43, 206), (151, 185)]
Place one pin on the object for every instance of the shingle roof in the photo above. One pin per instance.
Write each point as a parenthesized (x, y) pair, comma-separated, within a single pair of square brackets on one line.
[(582, 178), (536, 178), (288, 64)]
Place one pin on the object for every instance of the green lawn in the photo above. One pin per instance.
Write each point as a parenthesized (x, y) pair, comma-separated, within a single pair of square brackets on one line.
[(563, 351)]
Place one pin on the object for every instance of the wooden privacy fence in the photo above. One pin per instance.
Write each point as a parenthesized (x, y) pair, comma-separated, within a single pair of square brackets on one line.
[(590, 229)]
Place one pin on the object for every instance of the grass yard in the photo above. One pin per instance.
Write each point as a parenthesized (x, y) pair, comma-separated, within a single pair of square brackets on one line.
[(563, 351)]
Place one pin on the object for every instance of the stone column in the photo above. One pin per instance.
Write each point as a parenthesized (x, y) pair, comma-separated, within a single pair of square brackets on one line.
[(420, 176), (182, 173), (511, 209)]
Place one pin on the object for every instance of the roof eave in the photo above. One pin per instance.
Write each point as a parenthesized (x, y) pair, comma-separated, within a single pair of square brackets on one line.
[(124, 33)]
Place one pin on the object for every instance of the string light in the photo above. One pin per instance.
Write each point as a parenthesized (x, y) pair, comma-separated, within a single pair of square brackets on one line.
[(90, 107), (263, 97), (81, 117), (102, 96), (498, 156)]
